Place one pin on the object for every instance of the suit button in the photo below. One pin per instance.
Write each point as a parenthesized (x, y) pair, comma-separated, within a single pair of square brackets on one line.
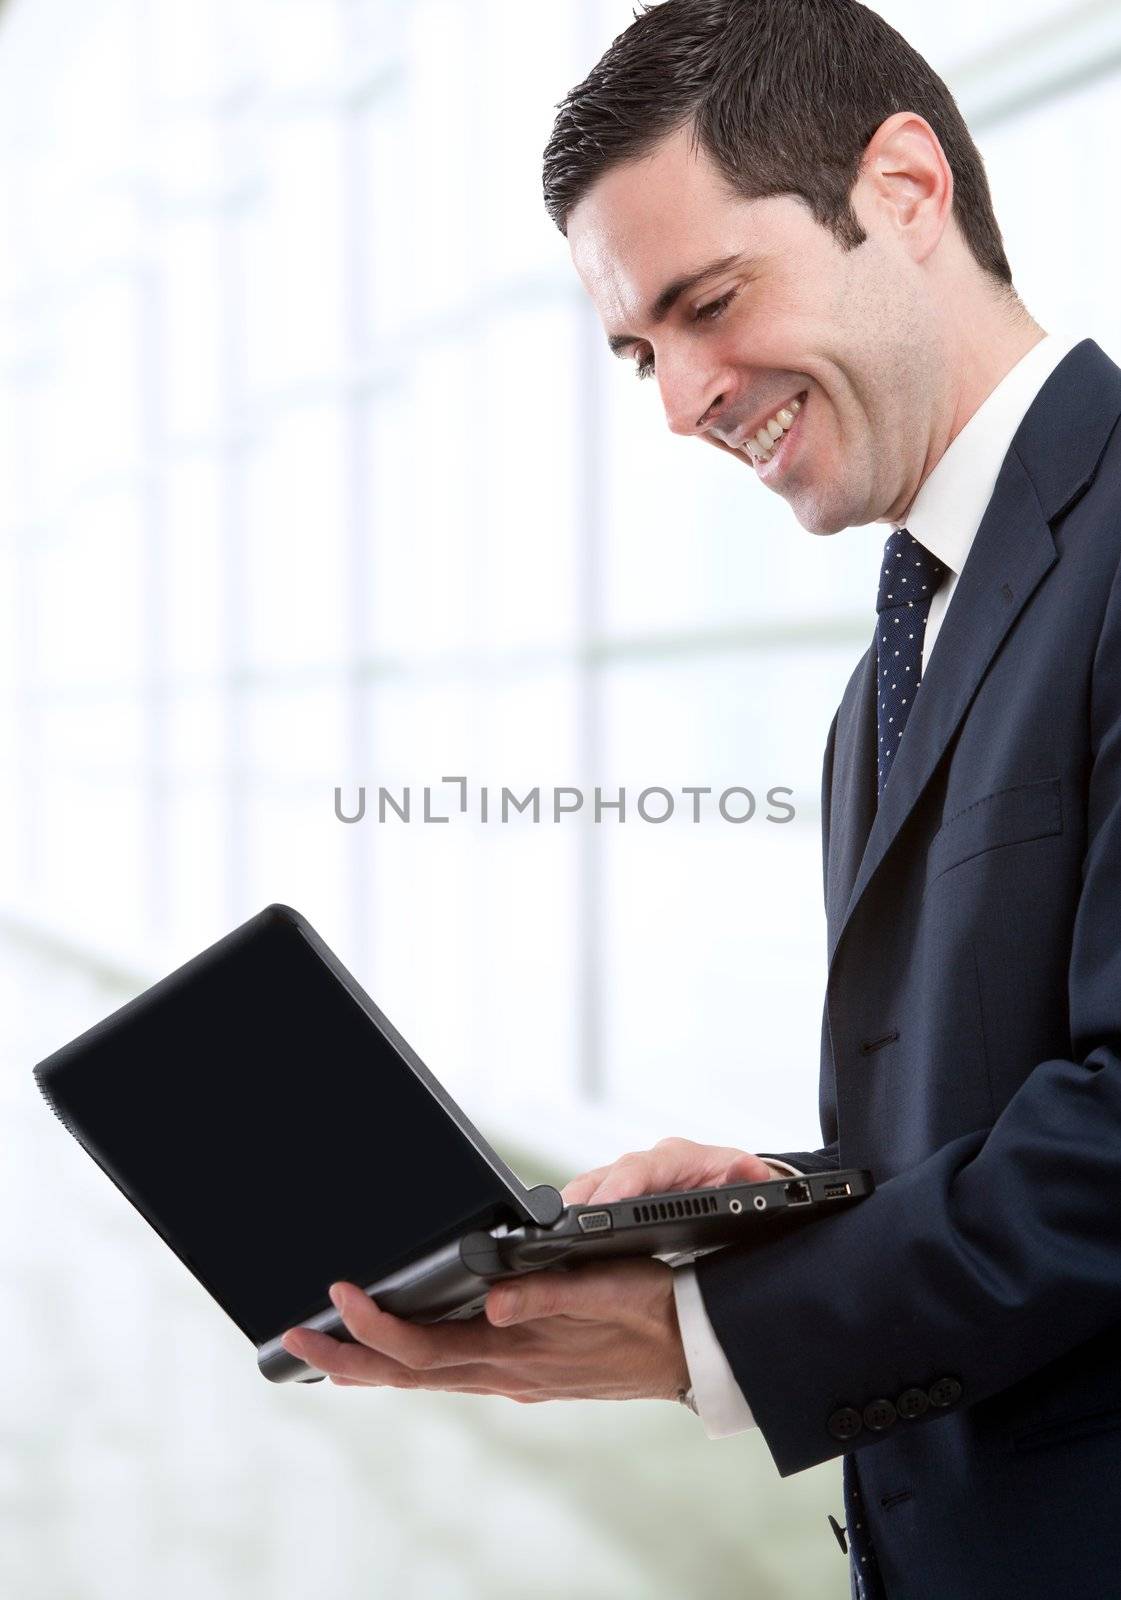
[(944, 1393), (845, 1423), (879, 1414), (912, 1403)]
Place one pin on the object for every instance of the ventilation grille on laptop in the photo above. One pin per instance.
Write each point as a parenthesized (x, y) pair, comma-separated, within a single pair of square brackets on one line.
[(663, 1210)]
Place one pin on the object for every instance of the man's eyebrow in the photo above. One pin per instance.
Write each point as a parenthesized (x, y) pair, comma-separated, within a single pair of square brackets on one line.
[(664, 303)]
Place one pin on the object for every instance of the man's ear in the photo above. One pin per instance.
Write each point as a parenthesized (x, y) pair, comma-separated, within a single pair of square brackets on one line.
[(904, 168)]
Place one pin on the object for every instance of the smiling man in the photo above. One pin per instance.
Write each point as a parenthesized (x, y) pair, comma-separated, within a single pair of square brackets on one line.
[(783, 222), (838, 373)]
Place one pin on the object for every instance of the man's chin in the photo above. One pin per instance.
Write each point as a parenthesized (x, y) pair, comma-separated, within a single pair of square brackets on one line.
[(818, 519)]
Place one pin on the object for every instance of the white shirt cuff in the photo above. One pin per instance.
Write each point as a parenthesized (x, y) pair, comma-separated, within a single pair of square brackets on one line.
[(718, 1397)]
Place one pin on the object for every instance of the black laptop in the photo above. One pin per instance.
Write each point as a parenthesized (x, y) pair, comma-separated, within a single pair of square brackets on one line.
[(278, 1134)]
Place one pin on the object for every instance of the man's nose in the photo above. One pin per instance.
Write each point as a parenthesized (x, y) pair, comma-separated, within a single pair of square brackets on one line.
[(693, 395)]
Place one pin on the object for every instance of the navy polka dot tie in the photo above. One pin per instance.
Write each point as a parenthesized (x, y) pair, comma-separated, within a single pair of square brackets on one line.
[(908, 579), (864, 1567)]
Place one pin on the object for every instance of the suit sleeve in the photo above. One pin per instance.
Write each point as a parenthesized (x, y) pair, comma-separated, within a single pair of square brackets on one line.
[(999, 1253)]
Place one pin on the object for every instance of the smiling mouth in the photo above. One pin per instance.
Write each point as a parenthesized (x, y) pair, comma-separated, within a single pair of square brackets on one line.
[(760, 446)]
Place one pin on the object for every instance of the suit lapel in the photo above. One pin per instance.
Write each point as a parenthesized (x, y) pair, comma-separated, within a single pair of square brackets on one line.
[(853, 807), (1062, 437)]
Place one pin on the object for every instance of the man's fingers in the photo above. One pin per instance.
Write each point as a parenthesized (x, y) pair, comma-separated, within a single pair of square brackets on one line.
[(671, 1164), (350, 1365), (415, 1346), (537, 1294), (631, 1175), (599, 1291), (379, 1330), (577, 1191), (353, 1366), (402, 1346), (341, 1360), (747, 1169), (675, 1164)]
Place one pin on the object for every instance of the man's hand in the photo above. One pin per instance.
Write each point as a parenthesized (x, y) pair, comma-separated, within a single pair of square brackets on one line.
[(671, 1164), (604, 1331), (598, 1332)]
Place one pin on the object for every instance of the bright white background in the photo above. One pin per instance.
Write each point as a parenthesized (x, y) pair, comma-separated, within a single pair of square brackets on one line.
[(315, 471)]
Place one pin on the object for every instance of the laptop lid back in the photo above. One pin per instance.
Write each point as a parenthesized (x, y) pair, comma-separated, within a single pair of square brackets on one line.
[(275, 1130)]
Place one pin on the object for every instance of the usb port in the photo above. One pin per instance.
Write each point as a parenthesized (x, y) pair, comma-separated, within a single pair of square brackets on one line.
[(595, 1221), (798, 1193), (837, 1191)]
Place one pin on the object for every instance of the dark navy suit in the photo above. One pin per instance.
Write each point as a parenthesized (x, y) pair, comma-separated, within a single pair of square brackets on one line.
[(971, 1057)]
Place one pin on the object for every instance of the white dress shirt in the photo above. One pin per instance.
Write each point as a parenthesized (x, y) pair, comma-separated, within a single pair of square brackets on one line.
[(944, 517)]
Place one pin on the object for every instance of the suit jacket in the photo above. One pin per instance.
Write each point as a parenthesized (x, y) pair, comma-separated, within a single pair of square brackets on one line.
[(960, 1330)]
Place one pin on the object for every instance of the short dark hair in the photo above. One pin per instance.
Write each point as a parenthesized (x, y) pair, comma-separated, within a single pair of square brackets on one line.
[(783, 95)]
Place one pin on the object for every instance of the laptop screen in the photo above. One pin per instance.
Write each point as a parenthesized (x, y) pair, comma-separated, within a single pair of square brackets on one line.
[(272, 1134)]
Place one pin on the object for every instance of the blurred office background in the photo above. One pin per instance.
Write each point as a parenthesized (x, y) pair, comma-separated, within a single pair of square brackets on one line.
[(315, 472)]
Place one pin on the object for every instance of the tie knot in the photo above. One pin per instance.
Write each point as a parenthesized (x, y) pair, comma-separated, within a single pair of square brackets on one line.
[(910, 574)]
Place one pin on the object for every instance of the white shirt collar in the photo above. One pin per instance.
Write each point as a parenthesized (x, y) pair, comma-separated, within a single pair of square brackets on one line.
[(947, 511)]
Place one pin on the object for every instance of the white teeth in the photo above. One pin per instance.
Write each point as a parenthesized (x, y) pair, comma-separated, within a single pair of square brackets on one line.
[(760, 447)]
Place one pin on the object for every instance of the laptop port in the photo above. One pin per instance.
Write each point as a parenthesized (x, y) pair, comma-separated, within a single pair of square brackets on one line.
[(798, 1193), (595, 1221), (837, 1191)]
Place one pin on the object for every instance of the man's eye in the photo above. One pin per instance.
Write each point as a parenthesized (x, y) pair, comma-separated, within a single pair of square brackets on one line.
[(710, 312), (644, 368)]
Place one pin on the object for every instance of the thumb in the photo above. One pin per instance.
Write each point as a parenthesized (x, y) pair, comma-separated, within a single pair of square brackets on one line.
[(597, 1290), (748, 1169), (536, 1294)]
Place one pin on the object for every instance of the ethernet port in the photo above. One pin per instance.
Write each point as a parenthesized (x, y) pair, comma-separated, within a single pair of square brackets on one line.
[(798, 1193)]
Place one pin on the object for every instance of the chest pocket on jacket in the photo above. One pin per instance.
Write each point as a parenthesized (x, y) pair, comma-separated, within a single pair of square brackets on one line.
[(1009, 816)]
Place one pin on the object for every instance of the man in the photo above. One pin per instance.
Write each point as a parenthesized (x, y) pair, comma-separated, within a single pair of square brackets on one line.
[(782, 220)]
